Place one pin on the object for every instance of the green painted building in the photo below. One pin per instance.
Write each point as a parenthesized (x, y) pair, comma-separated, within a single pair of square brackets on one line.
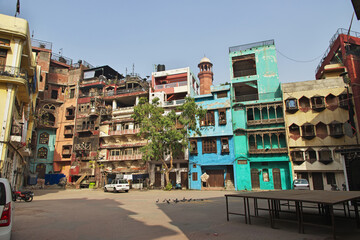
[(261, 153)]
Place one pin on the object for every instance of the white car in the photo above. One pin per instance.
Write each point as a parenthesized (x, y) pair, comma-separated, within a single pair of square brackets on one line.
[(301, 184), (6, 209), (117, 185)]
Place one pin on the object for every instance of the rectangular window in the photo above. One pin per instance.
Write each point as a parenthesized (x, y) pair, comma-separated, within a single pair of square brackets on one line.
[(54, 94), (69, 131), (209, 145), (115, 152), (209, 119), (224, 145), (222, 116), (330, 178), (222, 94), (66, 150), (193, 146), (72, 93), (244, 65), (194, 176)]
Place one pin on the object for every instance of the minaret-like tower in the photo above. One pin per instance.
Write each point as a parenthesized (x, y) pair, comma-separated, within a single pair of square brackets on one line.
[(205, 75)]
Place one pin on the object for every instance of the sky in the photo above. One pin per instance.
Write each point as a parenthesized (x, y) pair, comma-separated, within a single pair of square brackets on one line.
[(123, 33)]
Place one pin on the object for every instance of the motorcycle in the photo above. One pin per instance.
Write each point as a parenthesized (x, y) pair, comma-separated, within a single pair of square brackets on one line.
[(27, 196)]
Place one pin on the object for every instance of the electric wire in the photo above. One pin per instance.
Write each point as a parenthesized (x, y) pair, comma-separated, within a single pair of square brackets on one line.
[(299, 61)]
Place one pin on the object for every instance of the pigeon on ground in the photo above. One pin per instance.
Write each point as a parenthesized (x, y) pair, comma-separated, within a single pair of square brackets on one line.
[(157, 201)]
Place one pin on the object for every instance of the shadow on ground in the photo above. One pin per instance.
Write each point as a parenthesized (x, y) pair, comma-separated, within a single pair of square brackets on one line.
[(81, 219), (207, 220)]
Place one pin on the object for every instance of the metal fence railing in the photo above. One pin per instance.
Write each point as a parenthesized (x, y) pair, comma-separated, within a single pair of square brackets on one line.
[(13, 72), (251, 45), (62, 59), (41, 44), (331, 42)]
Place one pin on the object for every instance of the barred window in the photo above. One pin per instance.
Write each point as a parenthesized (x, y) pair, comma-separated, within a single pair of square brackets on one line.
[(209, 145), (209, 119)]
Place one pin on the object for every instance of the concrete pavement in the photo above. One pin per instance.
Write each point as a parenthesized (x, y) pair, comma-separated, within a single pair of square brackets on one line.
[(93, 214)]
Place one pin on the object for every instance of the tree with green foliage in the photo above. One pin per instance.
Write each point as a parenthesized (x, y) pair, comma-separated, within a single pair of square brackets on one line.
[(161, 129)]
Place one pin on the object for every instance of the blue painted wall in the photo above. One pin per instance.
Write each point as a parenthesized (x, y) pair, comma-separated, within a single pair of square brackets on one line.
[(50, 155), (200, 162)]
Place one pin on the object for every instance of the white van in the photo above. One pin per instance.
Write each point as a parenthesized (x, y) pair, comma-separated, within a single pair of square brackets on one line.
[(6, 209)]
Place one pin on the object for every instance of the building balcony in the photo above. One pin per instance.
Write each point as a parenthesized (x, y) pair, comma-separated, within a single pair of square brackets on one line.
[(123, 158), (82, 146), (41, 44), (171, 85), (265, 121), (124, 132), (267, 150), (15, 72), (123, 91), (85, 128), (174, 103), (123, 111)]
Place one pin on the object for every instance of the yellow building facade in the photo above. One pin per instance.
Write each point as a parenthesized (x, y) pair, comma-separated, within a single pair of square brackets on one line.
[(319, 125), (18, 92)]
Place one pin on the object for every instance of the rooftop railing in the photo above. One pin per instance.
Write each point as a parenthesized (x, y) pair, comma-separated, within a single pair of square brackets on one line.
[(41, 44), (62, 59), (251, 45), (331, 42)]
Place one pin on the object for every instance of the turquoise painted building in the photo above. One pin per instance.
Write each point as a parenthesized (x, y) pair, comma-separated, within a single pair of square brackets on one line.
[(42, 163), (261, 155), (212, 153)]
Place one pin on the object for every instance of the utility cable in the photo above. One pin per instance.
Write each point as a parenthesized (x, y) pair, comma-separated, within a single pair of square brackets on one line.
[(300, 61)]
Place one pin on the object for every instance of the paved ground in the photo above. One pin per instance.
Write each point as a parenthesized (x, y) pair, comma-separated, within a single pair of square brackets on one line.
[(93, 214)]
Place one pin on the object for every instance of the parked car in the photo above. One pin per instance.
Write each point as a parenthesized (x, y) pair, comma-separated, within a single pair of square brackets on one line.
[(301, 184), (117, 185), (6, 209)]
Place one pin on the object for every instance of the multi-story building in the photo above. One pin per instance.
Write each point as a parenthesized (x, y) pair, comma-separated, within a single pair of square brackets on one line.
[(89, 111), (120, 144), (18, 92), (317, 124), (171, 87), (342, 55), (261, 153), (53, 138), (213, 152)]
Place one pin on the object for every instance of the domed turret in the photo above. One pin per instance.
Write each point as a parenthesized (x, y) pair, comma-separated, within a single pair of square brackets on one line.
[(205, 75)]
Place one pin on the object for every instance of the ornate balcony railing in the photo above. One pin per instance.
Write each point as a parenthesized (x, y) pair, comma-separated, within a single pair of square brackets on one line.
[(124, 132), (13, 72), (82, 146), (265, 121), (267, 150), (124, 157)]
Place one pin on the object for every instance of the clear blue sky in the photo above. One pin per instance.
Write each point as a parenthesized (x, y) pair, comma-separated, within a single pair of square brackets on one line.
[(179, 33)]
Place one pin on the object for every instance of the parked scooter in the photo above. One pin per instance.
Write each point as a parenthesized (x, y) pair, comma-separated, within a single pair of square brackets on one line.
[(27, 196)]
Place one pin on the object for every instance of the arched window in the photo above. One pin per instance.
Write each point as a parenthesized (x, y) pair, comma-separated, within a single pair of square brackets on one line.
[(44, 138), (42, 153)]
